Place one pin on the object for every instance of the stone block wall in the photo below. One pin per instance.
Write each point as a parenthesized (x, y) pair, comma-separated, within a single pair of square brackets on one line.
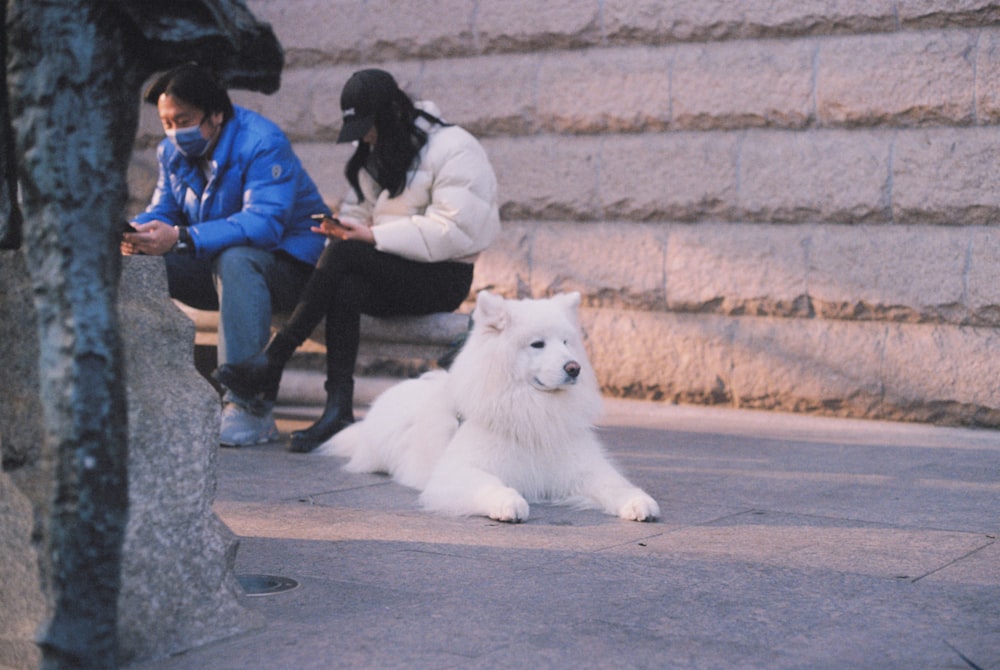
[(785, 205)]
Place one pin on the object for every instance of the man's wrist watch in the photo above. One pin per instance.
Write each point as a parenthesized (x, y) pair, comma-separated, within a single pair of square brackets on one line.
[(184, 244)]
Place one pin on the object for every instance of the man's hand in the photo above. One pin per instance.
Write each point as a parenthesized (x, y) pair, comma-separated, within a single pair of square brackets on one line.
[(153, 239)]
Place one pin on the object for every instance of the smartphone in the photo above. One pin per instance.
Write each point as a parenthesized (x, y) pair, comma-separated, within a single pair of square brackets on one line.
[(326, 217)]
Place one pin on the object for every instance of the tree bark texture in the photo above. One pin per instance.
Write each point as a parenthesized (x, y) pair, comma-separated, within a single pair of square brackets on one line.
[(68, 116), (73, 96), (10, 214)]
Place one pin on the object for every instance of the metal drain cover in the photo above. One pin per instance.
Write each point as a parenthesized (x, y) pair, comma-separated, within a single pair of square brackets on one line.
[(265, 585)]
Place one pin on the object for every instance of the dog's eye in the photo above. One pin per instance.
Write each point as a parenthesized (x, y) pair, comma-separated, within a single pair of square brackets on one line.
[(538, 344)]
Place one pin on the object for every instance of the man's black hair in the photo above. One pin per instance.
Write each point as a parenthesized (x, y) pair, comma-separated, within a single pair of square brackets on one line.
[(193, 85)]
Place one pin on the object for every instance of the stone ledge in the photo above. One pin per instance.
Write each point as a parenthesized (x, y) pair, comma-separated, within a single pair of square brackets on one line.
[(442, 328), (393, 346), (904, 372)]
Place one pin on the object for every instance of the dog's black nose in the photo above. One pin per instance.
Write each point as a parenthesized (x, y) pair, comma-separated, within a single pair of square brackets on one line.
[(572, 369)]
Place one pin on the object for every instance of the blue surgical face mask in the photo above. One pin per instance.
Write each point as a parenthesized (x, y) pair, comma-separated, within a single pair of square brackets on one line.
[(189, 140)]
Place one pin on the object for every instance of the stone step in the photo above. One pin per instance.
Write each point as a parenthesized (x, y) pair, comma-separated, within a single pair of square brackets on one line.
[(304, 388), (391, 346), (351, 32)]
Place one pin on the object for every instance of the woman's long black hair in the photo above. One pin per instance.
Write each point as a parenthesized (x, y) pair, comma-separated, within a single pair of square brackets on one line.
[(399, 142)]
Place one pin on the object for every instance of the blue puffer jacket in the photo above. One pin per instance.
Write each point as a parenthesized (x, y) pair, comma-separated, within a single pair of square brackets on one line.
[(258, 194)]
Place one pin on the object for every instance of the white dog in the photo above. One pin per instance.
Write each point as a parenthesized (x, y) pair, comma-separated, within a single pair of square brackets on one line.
[(511, 421)]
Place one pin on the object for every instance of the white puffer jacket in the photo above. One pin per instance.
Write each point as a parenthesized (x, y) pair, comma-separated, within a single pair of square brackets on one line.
[(448, 211)]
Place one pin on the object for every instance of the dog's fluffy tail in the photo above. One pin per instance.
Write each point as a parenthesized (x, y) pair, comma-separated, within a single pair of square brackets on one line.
[(403, 433), (344, 443)]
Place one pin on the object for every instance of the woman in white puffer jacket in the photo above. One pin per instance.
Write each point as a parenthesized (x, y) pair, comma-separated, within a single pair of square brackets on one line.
[(423, 205), (448, 210)]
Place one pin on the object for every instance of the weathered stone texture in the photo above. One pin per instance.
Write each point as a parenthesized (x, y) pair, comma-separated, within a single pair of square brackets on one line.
[(667, 176), (610, 265), (742, 179), (498, 96), (418, 29), (817, 175), (27, 480), (743, 85), (947, 176), (316, 30), (855, 273), (602, 90), (23, 603), (841, 368), (827, 366), (343, 30), (987, 93), (958, 364), (738, 269), (316, 111), (701, 20), (505, 267), (898, 79), (546, 176), (531, 26), (178, 586), (945, 13), (792, 271), (982, 277), (661, 356)]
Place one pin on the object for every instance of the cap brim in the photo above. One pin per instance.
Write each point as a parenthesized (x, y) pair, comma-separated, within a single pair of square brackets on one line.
[(354, 129)]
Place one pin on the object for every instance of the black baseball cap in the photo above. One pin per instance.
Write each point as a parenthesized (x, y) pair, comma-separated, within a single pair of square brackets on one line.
[(364, 93)]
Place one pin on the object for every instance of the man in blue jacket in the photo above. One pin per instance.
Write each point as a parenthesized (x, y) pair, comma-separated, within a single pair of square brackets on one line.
[(231, 215)]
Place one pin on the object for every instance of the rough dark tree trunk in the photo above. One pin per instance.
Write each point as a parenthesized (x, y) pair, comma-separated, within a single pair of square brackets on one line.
[(68, 115), (73, 106), (10, 214)]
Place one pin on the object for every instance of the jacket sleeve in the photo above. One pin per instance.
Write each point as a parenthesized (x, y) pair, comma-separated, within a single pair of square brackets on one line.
[(460, 218), (268, 197), (163, 206)]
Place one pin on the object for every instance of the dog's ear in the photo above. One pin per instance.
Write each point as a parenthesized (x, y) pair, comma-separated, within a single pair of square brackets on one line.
[(570, 301), (490, 312)]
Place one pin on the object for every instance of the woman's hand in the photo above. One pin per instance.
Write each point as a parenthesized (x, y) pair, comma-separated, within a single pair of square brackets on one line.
[(153, 239), (345, 229)]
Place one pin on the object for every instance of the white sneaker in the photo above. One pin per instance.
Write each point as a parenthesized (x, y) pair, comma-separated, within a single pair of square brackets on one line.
[(241, 427)]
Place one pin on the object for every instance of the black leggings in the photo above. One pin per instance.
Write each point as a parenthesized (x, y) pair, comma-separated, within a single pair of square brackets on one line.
[(353, 278)]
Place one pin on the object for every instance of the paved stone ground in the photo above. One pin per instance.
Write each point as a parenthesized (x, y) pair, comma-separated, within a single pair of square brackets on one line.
[(786, 542)]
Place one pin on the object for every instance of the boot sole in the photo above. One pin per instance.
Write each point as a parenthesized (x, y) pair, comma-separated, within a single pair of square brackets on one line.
[(303, 445)]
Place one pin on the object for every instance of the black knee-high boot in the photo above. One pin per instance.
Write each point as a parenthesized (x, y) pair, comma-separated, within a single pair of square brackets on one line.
[(338, 414), (259, 375)]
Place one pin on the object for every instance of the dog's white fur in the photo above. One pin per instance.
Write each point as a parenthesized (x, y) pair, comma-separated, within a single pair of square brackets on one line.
[(509, 423)]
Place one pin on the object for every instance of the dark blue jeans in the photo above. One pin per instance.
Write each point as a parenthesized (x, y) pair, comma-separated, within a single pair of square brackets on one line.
[(245, 285)]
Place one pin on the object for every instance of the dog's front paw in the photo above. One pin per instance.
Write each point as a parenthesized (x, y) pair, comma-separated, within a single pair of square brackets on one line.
[(640, 507), (509, 506)]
